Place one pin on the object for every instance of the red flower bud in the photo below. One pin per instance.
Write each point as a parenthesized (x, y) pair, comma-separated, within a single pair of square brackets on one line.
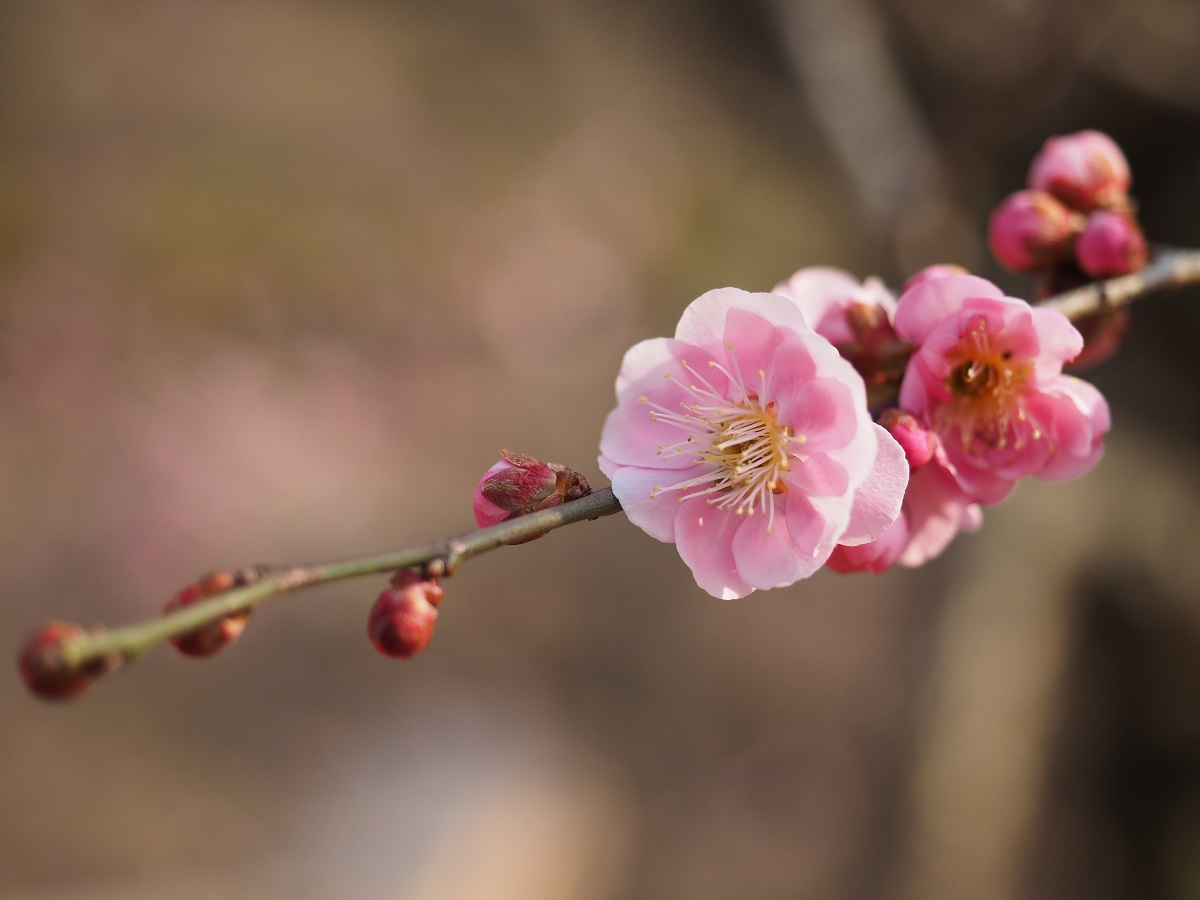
[(917, 441), (520, 484), (211, 637), (1031, 230), (43, 668), (1086, 170), (1111, 244), (402, 620)]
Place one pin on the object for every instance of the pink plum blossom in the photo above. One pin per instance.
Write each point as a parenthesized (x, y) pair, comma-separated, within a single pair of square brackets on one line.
[(745, 440), (986, 378), (829, 299)]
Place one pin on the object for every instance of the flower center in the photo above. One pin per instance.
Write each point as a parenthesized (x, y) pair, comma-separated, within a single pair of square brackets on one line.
[(986, 386), (738, 441)]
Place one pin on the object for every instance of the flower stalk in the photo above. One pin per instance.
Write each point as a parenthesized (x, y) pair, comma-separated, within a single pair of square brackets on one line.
[(107, 650)]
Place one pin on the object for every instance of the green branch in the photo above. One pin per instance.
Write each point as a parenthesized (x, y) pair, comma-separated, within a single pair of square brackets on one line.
[(105, 650)]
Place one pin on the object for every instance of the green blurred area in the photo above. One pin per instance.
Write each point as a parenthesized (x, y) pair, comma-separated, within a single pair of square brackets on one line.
[(278, 280)]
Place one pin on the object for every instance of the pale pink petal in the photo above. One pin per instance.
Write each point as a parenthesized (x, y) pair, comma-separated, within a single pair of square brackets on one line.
[(822, 414), (607, 466), (821, 294), (703, 322), (645, 358), (655, 515), (750, 342), (704, 537), (1058, 338), (815, 524), (926, 305), (631, 438), (1077, 429), (878, 499), (818, 475), (767, 559)]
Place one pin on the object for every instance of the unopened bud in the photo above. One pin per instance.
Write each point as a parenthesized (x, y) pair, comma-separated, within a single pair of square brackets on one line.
[(1111, 244), (402, 620), (934, 272), (520, 484), (1030, 231), (212, 636), (1086, 171), (917, 441), (46, 671)]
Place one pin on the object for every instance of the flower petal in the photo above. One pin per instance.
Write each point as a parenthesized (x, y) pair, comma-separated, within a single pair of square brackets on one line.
[(768, 559), (878, 499), (926, 305), (703, 322), (655, 515), (704, 536)]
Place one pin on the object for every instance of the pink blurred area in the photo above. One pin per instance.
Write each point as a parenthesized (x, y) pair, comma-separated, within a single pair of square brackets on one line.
[(278, 280)]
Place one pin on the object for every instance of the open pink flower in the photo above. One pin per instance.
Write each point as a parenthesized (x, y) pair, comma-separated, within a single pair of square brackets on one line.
[(826, 296), (987, 379), (746, 441)]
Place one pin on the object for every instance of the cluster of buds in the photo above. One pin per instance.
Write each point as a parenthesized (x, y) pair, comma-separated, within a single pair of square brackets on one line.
[(401, 622), (519, 484), (212, 636), (1075, 220)]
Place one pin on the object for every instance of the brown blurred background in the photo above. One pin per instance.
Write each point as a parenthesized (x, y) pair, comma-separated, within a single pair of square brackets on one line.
[(279, 279)]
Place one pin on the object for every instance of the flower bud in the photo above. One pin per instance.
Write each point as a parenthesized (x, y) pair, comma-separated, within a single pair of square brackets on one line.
[(43, 668), (402, 620), (1031, 230), (931, 273), (1111, 244), (212, 636), (1086, 171), (520, 484), (917, 441)]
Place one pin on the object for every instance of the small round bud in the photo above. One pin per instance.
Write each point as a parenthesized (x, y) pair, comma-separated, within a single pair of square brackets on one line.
[(916, 440), (1031, 231), (1086, 171), (212, 636), (932, 273), (43, 668), (401, 621), (1111, 244)]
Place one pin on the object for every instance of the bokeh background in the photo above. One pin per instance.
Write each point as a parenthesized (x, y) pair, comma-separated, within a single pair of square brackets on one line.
[(279, 279)]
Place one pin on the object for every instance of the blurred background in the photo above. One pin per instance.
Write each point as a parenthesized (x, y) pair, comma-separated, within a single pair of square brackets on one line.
[(279, 279)]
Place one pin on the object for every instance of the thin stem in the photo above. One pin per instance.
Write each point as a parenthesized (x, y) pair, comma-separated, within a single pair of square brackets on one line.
[(122, 645), (1170, 268)]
